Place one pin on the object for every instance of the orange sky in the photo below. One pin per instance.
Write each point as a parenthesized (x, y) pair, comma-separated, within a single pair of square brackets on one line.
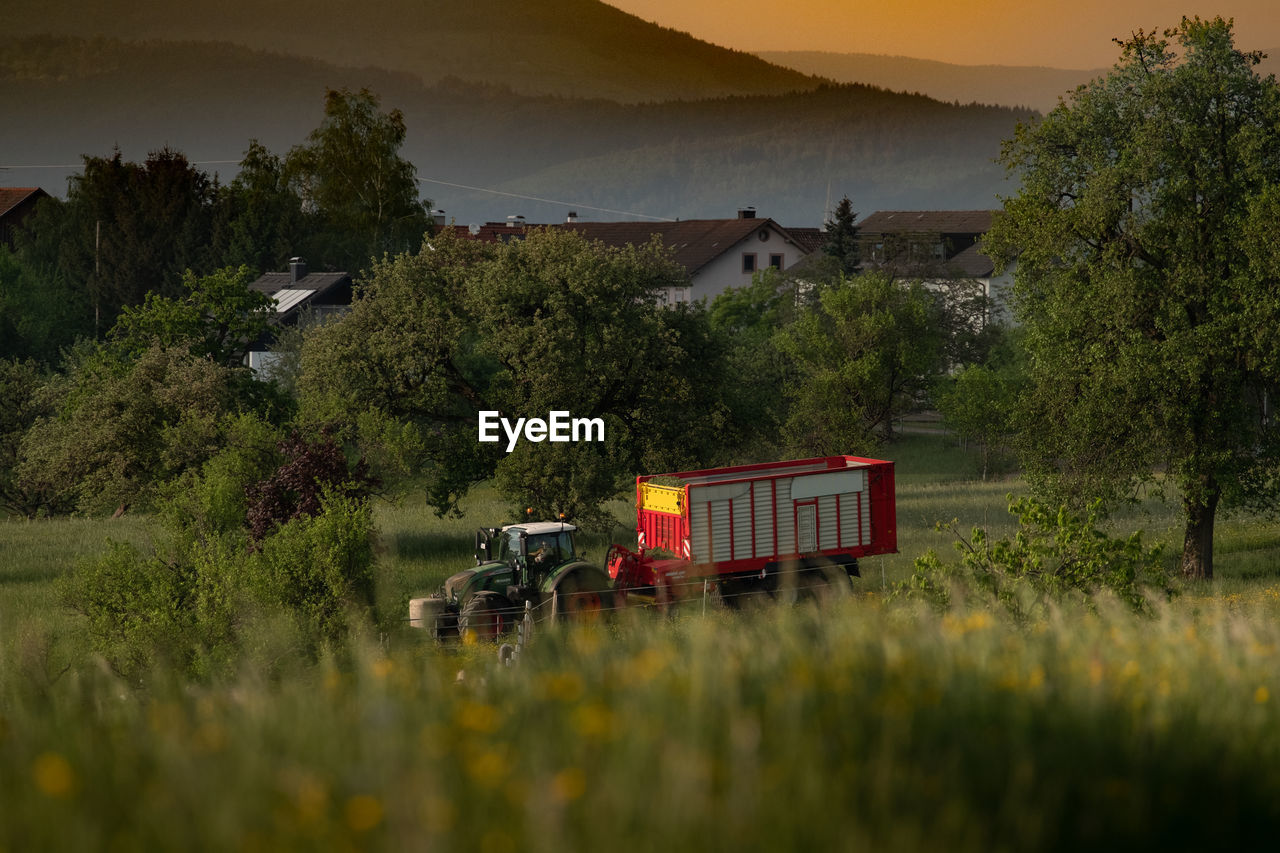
[(999, 32)]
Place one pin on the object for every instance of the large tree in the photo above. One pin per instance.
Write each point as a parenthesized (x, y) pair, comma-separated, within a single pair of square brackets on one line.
[(552, 322), (1150, 318), (351, 177)]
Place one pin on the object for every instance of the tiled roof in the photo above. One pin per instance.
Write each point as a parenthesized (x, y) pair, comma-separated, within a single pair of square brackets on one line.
[(694, 242), (809, 239), (11, 197), (932, 221)]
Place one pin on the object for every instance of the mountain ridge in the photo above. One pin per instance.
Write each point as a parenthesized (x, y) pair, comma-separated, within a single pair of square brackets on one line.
[(686, 159), (576, 48)]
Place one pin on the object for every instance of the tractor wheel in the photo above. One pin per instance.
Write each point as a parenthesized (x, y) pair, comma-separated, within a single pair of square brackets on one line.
[(486, 616), (580, 598)]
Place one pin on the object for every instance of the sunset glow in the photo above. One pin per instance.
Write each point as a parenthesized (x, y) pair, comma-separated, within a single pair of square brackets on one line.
[(979, 32)]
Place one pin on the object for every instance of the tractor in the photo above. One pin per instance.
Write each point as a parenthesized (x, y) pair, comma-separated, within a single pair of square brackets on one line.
[(534, 563)]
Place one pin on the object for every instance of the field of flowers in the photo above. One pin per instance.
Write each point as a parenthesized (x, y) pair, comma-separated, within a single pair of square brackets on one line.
[(874, 722)]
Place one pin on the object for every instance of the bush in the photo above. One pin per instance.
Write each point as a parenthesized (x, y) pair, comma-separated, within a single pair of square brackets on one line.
[(319, 569), (1055, 556)]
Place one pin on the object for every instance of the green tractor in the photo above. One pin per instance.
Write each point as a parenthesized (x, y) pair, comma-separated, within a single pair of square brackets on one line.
[(533, 562)]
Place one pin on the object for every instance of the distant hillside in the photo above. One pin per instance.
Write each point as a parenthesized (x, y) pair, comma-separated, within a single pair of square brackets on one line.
[(1036, 88), (577, 48), (782, 153), (1019, 86)]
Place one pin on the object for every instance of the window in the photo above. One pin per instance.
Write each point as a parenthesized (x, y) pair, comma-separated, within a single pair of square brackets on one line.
[(775, 261), (748, 262)]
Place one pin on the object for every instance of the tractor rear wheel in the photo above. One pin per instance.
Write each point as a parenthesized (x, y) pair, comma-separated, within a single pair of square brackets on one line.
[(486, 616)]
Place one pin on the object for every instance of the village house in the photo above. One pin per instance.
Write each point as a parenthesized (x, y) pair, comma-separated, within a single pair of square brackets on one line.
[(936, 246), (717, 253), (298, 294)]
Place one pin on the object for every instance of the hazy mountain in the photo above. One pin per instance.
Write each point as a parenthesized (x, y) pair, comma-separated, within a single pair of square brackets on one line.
[(1035, 87), (786, 154), (578, 48)]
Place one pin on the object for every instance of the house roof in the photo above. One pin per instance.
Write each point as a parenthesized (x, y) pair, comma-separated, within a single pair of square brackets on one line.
[(11, 197), (318, 282), (809, 239), (290, 296), (972, 263), (694, 242), (928, 221)]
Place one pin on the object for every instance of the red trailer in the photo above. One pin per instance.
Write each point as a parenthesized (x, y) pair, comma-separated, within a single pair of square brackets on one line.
[(778, 527)]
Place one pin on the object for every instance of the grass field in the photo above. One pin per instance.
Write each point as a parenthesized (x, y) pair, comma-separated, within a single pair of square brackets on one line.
[(874, 723)]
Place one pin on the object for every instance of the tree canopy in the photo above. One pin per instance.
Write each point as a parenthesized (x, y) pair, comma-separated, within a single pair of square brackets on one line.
[(351, 176), (1144, 281)]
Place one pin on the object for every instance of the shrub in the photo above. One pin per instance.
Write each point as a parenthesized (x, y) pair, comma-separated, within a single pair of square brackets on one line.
[(1055, 556)]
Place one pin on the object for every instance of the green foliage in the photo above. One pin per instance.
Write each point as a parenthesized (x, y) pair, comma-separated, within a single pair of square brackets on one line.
[(842, 241), (747, 320), (28, 394), (121, 434), (217, 317), (1054, 557), (351, 176), (39, 315), (319, 568), (262, 215), (1150, 312), (548, 323), (977, 404), (200, 596), (863, 354)]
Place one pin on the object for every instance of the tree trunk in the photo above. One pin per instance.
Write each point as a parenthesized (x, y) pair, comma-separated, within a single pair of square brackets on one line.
[(1197, 546)]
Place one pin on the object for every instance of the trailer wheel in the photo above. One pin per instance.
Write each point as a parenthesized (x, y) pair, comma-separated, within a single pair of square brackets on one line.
[(485, 616), (820, 582)]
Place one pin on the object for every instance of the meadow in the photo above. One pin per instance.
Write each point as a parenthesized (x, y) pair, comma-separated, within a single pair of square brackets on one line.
[(874, 722)]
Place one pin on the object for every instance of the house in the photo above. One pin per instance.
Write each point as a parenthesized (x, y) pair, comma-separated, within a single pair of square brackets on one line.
[(937, 246), (16, 204), (299, 294), (717, 253)]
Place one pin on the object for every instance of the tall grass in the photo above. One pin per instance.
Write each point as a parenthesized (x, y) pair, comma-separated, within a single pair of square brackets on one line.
[(868, 724), (784, 729)]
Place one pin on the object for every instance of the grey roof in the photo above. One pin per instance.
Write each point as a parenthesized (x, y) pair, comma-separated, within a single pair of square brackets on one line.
[(274, 282)]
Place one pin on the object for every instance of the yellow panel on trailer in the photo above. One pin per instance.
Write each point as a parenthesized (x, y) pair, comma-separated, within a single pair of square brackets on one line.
[(668, 499)]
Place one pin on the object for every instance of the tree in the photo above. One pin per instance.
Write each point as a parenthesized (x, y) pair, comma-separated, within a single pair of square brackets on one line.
[(218, 318), (842, 237), (125, 230), (747, 321), (862, 354), (1149, 307), (262, 215), (351, 177), (552, 322)]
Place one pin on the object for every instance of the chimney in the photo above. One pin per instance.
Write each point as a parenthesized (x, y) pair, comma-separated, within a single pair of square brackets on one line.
[(746, 213), (516, 221), (437, 217), (297, 270), (572, 217)]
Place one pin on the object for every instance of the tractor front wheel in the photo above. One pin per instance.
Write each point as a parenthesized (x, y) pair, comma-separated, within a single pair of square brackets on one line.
[(485, 616)]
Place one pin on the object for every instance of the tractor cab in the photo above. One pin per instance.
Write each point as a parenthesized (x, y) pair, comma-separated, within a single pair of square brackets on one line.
[(531, 550)]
